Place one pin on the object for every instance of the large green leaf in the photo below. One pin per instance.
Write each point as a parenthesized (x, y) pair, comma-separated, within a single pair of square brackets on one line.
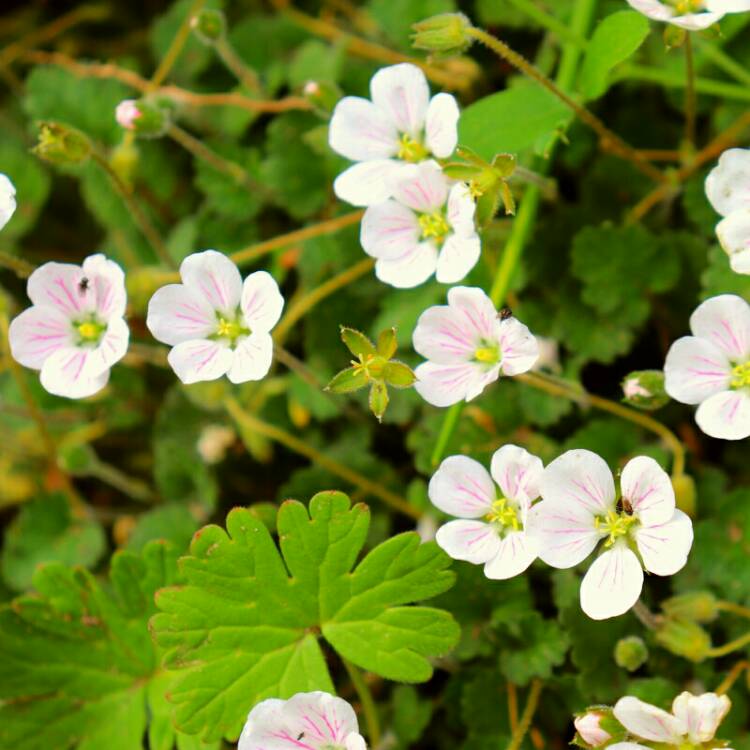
[(248, 622), (615, 39)]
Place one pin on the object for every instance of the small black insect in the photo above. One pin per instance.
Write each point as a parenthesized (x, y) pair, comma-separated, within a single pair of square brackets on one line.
[(301, 735), (505, 313), (623, 505), (83, 286)]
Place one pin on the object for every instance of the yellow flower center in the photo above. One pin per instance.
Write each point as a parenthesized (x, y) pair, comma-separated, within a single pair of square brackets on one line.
[(410, 149), (504, 515), (433, 225), (683, 7), (740, 376), (90, 331), (489, 355), (614, 525), (230, 329)]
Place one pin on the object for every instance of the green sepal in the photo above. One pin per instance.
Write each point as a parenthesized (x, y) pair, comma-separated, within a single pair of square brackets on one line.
[(458, 171), (346, 381), (487, 206), (387, 343), (399, 375), (504, 165), (357, 343), (378, 399)]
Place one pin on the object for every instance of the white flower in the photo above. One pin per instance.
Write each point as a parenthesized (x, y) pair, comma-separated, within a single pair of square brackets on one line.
[(588, 726), (216, 324), (693, 721), (75, 330), (214, 441), (401, 124), (712, 367), (692, 15), (7, 200), (468, 346), (728, 183), (492, 529), (307, 721), (126, 113), (734, 236), (427, 227), (580, 508)]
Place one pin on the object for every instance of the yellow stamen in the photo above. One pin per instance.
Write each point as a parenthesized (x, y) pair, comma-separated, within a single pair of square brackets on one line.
[(230, 329), (89, 331), (411, 150), (433, 225), (489, 355), (740, 376), (503, 514), (614, 525)]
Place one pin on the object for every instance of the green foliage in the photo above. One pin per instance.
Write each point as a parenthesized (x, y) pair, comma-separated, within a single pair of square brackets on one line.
[(241, 629)]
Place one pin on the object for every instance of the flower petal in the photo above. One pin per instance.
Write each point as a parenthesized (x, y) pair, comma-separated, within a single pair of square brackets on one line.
[(652, 9), (648, 489), (111, 347), (725, 415), (728, 6), (701, 714), (734, 235), (664, 547), (447, 384), (696, 21), (518, 473), (58, 285), (472, 541), (565, 535), (462, 487), (389, 230), (441, 125), (177, 313), (725, 322), (518, 346), (262, 719), (695, 369), (612, 584), (38, 332), (476, 310), (579, 479), (461, 210), (648, 722), (213, 277), (200, 359), (457, 257), (7, 200), (410, 269), (728, 183), (252, 358), (368, 183), (106, 283), (517, 551), (402, 92), (422, 187), (261, 302), (66, 372), (360, 131)]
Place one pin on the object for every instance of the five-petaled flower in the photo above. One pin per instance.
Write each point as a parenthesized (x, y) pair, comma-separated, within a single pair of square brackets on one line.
[(692, 15), (426, 228), (468, 345), (712, 367), (7, 200), (307, 721), (693, 721), (216, 324), (401, 124), (75, 330), (491, 529), (580, 508)]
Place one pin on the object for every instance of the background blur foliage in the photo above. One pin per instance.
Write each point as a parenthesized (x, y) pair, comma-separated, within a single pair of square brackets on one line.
[(78, 665)]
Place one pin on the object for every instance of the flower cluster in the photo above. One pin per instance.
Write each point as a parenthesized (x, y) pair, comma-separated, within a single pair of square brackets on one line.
[(580, 509), (691, 15), (728, 191)]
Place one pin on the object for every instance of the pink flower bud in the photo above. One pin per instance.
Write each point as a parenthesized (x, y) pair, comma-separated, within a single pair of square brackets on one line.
[(312, 88), (127, 113), (589, 729), (631, 387)]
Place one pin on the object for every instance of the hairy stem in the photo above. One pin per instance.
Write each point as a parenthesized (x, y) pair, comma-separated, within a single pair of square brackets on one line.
[(369, 709), (236, 65), (689, 92), (247, 421), (734, 673), (647, 618), (132, 488), (728, 648), (20, 267), (736, 609), (528, 714), (170, 58)]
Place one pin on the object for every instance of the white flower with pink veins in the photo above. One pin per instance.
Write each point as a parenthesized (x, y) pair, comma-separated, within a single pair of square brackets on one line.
[(398, 125), (76, 329), (711, 368), (307, 721), (693, 721), (216, 324), (640, 529), (426, 228), (692, 15), (468, 345), (491, 529)]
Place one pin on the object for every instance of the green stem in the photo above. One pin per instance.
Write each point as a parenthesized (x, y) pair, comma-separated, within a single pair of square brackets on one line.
[(528, 714), (369, 709), (727, 648), (247, 421), (689, 92), (645, 615), (736, 609), (178, 42), (446, 430), (236, 65), (112, 476), (550, 23), (20, 267), (677, 81), (734, 673)]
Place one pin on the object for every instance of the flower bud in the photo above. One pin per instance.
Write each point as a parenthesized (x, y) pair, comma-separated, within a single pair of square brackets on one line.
[(209, 25), (685, 494), (323, 95), (60, 144), (445, 33), (684, 638), (630, 653), (214, 441), (698, 606), (589, 728), (147, 119), (644, 389)]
